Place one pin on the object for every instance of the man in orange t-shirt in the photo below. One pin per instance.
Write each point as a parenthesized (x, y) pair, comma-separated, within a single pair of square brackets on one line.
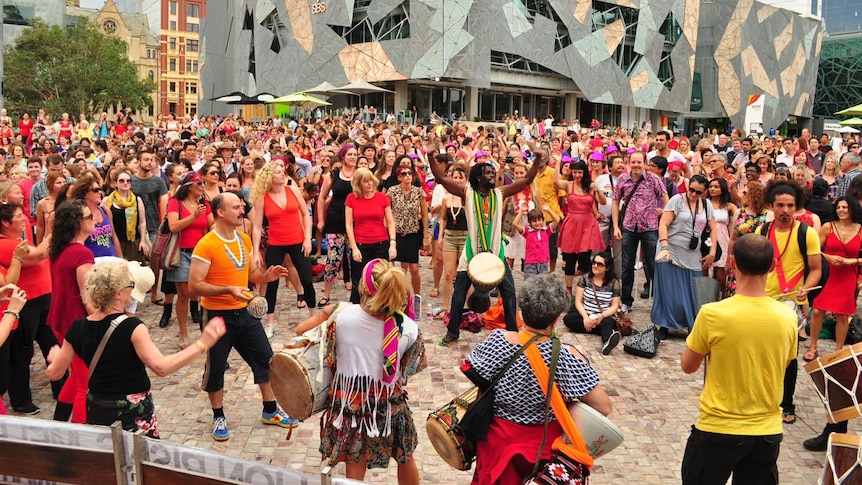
[(223, 263)]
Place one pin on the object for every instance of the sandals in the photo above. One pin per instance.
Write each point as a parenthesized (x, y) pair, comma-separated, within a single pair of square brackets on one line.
[(788, 417), (300, 302), (810, 354), (158, 301), (434, 293), (321, 303)]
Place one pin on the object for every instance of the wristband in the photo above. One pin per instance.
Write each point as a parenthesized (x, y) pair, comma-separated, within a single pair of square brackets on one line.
[(660, 240), (200, 345), (662, 247), (10, 312)]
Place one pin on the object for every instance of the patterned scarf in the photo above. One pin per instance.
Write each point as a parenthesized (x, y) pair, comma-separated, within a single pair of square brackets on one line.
[(391, 329), (130, 205)]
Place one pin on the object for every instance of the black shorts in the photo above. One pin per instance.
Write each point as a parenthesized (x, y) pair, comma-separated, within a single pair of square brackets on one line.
[(407, 247), (245, 334)]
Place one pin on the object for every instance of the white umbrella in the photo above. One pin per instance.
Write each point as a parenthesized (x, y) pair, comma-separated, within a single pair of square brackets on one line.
[(361, 86), (325, 88), (847, 129)]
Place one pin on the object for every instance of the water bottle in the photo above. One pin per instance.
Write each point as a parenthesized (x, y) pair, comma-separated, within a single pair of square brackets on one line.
[(429, 310), (417, 307)]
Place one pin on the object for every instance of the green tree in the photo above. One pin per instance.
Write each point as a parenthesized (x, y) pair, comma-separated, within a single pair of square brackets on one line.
[(73, 69)]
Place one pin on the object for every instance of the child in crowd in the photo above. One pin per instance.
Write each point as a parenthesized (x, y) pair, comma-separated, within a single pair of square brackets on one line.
[(537, 255)]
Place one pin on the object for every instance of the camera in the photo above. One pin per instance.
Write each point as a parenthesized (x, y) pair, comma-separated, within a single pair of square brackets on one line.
[(491, 135), (509, 159), (693, 242)]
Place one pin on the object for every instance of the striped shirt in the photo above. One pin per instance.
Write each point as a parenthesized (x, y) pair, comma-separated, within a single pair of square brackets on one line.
[(605, 294)]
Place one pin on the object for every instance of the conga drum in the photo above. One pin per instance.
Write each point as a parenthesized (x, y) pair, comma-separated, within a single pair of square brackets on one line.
[(299, 379), (843, 461), (600, 434), (445, 434), (836, 378), (486, 271)]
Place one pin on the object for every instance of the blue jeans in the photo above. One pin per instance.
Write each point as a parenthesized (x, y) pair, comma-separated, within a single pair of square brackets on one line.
[(647, 240), (459, 296), (535, 269)]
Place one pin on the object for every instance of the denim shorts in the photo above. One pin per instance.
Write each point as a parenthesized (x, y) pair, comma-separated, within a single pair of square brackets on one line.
[(535, 269), (181, 274)]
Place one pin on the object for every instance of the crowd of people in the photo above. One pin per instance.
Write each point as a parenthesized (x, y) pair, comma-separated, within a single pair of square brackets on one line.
[(252, 203)]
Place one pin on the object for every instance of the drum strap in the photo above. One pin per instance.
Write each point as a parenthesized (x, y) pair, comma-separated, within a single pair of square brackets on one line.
[(577, 450)]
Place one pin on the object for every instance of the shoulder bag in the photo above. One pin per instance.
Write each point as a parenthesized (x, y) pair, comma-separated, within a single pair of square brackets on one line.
[(625, 207), (644, 343), (476, 420), (705, 239), (101, 348), (624, 323), (167, 245)]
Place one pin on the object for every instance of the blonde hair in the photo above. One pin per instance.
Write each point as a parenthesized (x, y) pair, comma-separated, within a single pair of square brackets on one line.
[(800, 168), (262, 182), (392, 288), (361, 175), (104, 281)]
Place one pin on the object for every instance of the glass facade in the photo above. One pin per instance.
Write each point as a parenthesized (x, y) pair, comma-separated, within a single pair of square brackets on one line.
[(842, 16)]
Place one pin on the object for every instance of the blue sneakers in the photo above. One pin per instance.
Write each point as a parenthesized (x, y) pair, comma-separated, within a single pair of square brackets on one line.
[(220, 431), (279, 418)]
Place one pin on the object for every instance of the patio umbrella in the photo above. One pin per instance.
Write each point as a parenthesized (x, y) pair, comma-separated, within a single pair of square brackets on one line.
[(847, 129), (263, 98), (299, 99), (851, 122), (361, 86), (856, 110), (325, 88), (235, 97)]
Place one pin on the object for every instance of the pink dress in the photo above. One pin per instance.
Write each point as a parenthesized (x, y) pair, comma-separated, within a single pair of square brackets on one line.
[(579, 232)]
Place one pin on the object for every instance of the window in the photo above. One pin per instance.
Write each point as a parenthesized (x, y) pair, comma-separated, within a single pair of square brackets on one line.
[(172, 43), (192, 45), (193, 27), (191, 88), (151, 75), (172, 25), (172, 8), (191, 109), (193, 10), (191, 66), (172, 64), (172, 87)]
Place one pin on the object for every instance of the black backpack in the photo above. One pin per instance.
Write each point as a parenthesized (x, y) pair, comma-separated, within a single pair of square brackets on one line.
[(803, 248)]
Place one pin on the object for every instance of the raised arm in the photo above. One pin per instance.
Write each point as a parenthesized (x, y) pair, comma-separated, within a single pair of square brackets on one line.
[(453, 187), (518, 185)]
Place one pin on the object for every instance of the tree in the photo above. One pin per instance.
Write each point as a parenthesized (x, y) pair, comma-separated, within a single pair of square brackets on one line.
[(73, 69)]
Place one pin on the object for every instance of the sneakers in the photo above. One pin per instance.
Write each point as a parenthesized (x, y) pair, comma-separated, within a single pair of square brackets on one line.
[(625, 308), (611, 342), (278, 418), (447, 341), (220, 431), (645, 294), (29, 409), (817, 443), (269, 330)]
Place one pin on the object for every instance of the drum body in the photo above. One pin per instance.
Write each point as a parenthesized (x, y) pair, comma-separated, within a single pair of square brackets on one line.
[(600, 434), (294, 377), (843, 461), (446, 436), (836, 378)]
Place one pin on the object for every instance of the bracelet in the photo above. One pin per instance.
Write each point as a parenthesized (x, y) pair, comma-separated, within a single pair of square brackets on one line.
[(10, 312), (200, 345), (660, 240), (391, 241)]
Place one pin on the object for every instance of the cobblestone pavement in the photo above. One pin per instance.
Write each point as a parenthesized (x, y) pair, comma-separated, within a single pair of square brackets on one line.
[(654, 404)]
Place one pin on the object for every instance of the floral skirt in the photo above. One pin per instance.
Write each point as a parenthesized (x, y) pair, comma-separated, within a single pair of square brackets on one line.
[(135, 412), (351, 443)]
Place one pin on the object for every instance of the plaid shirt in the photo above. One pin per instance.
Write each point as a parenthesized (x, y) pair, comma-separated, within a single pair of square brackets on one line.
[(641, 214)]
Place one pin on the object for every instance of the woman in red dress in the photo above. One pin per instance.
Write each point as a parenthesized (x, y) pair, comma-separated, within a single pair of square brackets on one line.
[(840, 241)]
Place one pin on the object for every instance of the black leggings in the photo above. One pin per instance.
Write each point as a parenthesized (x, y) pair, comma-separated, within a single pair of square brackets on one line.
[(571, 261), (302, 266)]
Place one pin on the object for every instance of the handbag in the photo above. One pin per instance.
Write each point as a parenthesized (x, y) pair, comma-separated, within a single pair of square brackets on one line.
[(476, 420), (705, 239), (644, 343), (570, 462), (624, 323), (167, 246)]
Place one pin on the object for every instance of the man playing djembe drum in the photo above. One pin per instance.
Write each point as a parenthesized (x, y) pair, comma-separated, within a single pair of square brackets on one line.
[(750, 339), (222, 265), (483, 203)]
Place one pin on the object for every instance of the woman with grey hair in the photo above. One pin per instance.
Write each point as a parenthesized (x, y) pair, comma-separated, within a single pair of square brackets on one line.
[(119, 385), (517, 428)]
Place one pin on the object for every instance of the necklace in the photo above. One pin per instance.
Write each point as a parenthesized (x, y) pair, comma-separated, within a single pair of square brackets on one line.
[(238, 263)]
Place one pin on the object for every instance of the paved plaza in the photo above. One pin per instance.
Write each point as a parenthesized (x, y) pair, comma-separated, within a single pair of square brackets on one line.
[(654, 404)]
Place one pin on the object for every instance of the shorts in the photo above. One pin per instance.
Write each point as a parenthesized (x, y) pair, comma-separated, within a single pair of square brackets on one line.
[(535, 269), (454, 240), (181, 274), (245, 334), (407, 248)]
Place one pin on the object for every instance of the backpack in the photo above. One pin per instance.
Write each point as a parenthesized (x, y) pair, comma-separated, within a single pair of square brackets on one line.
[(803, 248)]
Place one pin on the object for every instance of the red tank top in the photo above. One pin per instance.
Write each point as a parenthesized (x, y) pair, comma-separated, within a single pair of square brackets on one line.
[(285, 225)]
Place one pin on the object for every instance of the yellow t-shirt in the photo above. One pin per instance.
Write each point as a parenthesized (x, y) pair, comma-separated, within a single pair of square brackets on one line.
[(548, 191), (229, 266), (791, 260), (749, 342)]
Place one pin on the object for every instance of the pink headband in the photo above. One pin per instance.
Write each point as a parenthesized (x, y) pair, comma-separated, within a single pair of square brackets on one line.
[(368, 277)]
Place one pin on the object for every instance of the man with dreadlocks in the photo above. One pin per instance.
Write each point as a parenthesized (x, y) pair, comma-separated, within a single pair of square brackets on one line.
[(483, 203)]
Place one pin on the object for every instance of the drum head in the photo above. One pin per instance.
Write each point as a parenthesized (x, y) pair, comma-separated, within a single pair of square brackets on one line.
[(486, 269), (445, 444), (290, 384)]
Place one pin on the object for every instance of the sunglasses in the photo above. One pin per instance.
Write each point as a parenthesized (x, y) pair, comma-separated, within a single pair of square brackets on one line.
[(599, 263), (123, 181), (131, 285), (88, 217), (695, 192), (212, 173), (405, 173), (96, 190)]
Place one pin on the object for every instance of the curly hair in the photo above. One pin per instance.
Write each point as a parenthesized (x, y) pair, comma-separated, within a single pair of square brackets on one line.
[(392, 288), (262, 182), (542, 299), (68, 217), (104, 280)]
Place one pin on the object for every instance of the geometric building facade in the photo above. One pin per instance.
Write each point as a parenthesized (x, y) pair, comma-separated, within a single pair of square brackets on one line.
[(642, 58), (839, 81)]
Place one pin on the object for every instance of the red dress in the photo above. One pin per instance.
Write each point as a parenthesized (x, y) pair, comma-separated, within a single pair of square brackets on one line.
[(838, 294), (579, 232)]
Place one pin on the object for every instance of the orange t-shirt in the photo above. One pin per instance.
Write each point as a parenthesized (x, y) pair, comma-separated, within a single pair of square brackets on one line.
[(229, 266), (285, 225)]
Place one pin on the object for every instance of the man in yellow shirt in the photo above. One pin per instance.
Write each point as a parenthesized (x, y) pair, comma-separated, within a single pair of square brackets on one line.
[(750, 339), (550, 195)]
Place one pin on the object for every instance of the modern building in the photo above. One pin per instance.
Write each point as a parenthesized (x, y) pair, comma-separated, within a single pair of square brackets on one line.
[(133, 29), (177, 25), (17, 15), (676, 62), (839, 80)]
